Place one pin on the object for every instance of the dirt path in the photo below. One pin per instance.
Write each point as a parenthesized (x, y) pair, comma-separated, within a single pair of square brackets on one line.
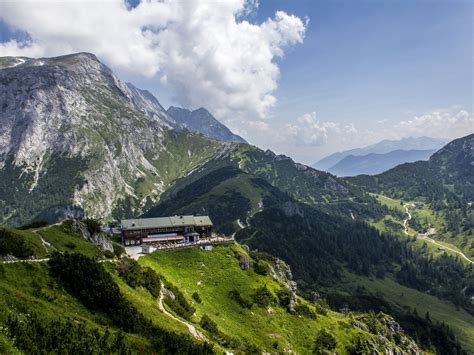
[(192, 329), (447, 248), (24, 261), (405, 224), (406, 220)]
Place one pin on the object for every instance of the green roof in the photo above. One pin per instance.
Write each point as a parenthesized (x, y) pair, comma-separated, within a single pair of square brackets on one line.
[(166, 222)]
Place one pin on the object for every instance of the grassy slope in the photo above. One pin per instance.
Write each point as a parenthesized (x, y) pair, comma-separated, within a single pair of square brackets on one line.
[(460, 321), (423, 216), (27, 288), (213, 274)]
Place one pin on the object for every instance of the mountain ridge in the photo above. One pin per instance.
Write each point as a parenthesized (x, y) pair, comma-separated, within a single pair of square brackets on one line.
[(202, 121), (382, 147), (375, 163)]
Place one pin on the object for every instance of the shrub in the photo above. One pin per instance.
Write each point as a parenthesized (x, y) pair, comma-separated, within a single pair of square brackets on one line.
[(109, 254), (304, 310), (284, 296), (324, 341), (37, 224), (263, 297), (209, 325), (34, 335), (261, 267), (118, 249), (135, 276), (236, 296), (196, 297), (178, 304), (14, 244)]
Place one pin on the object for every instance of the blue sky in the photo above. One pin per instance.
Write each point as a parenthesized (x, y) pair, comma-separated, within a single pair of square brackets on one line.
[(370, 60), (356, 73)]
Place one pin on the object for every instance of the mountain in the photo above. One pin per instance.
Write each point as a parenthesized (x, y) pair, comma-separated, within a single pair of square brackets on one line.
[(439, 192), (76, 140), (374, 163), (449, 173), (203, 122), (383, 147), (184, 301)]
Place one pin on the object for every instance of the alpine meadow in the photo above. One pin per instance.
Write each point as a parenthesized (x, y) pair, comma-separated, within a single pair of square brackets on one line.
[(206, 227)]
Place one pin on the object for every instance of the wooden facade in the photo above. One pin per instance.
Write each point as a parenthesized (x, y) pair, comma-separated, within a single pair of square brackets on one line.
[(165, 229)]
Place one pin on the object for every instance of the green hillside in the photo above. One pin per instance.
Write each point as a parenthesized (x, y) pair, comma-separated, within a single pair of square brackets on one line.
[(235, 300), (320, 247)]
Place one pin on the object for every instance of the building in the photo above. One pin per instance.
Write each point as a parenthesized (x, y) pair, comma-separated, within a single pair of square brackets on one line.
[(175, 229)]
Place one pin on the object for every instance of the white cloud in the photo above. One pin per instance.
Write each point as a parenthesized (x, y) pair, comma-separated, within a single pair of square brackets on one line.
[(309, 131), (201, 50), (447, 123)]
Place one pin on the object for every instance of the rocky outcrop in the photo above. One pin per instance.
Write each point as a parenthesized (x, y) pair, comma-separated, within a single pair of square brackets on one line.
[(98, 238), (74, 107), (201, 121)]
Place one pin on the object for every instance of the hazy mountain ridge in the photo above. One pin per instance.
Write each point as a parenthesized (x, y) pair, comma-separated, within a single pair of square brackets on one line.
[(203, 122), (374, 163), (383, 147)]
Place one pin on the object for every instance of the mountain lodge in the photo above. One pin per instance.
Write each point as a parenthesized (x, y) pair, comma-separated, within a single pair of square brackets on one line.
[(175, 229)]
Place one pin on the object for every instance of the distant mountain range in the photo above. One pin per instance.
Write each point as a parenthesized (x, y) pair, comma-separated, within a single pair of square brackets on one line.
[(203, 122), (374, 163), (379, 157)]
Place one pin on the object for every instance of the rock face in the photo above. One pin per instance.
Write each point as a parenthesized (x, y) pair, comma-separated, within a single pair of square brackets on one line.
[(100, 239), (72, 114), (203, 122)]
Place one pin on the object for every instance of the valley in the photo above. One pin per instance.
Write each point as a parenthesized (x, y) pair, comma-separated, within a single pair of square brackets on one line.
[(311, 262)]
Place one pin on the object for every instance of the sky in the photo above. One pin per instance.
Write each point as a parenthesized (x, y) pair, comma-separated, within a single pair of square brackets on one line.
[(304, 78)]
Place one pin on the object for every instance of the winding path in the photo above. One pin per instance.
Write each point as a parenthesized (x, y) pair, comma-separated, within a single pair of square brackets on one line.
[(425, 237), (192, 329), (406, 220), (447, 248)]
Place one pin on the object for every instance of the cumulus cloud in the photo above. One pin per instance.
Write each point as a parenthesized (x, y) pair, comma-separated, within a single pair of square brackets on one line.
[(447, 123), (307, 130), (202, 50)]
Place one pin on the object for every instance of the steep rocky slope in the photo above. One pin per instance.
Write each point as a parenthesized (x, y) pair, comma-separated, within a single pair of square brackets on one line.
[(75, 139), (203, 122)]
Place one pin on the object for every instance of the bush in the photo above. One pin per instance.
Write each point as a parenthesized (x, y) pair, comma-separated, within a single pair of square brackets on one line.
[(14, 244), (304, 310), (196, 297), (118, 249), (37, 224), (284, 296), (324, 341), (263, 297), (209, 325), (34, 335), (236, 296), (109, 254), (178, 304), (261, 267), (135, 276)]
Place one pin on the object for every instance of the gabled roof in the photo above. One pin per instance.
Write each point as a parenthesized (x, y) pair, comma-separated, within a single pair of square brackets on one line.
[(166, 222)]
